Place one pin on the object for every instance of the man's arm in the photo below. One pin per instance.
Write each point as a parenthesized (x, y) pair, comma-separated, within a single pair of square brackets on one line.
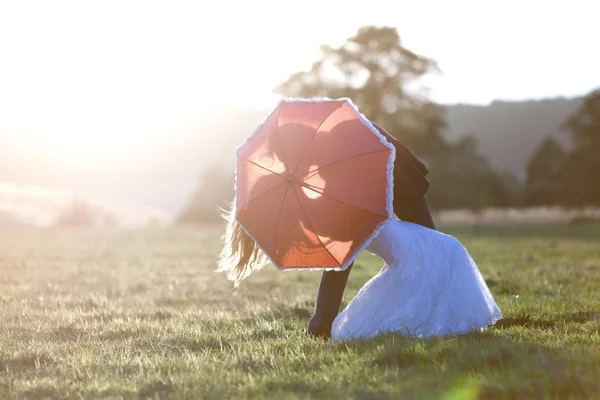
[(329, 299)]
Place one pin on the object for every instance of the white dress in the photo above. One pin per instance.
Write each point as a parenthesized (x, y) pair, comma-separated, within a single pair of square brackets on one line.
[(429, 286)]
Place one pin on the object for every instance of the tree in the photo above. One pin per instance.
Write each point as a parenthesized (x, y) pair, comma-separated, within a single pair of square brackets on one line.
[(79, 213), (579, 175), (543, 184), (214, 193), (375, 71), (462, 178), (584, 125)]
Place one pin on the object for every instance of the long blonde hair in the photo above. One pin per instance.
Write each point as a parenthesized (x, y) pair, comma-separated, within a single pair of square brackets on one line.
[(240, 256)]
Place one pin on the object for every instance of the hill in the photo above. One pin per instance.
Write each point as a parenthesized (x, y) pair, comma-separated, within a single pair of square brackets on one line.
[(508, 132)]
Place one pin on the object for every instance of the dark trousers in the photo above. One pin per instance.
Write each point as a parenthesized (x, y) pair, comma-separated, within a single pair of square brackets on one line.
[(333, 283)]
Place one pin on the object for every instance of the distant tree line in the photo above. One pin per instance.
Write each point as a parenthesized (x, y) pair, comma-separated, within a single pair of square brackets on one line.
[(214, 194), (569, 177), (377, 72), (80, 213)]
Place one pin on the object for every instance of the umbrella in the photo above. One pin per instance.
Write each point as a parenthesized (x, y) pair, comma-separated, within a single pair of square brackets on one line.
[(314, 184)]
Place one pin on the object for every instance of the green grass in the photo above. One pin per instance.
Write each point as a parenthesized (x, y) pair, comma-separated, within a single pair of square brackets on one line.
[(141, 314)]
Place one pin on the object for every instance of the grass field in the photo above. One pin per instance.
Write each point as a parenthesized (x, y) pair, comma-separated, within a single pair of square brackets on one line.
[(141, 314)]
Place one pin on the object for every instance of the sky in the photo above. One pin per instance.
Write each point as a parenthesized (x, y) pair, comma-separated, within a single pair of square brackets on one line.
[(139, 66)]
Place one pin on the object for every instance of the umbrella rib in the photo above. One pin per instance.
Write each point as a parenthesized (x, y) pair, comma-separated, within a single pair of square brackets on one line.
[(280, 144), (262, 194), (266, 169), (310, 174), (313, 136), (340, 201), (313, 228), (278, 217)]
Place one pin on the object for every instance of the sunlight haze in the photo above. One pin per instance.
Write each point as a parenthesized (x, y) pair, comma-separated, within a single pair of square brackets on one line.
[(99, 91)]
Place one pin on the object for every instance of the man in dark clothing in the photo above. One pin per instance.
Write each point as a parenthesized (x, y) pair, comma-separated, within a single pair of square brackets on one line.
[(410, 186)]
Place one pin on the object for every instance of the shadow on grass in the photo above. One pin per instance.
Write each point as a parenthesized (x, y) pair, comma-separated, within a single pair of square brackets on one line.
[(524, 321), (531, 322), (24, 363), (73, 333), (503, 286), (300, 312), (156, 389)]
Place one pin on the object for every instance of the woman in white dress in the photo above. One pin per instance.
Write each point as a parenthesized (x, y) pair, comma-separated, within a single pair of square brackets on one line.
[(428, 286)]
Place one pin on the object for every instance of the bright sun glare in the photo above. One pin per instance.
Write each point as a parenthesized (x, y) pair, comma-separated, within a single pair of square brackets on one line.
[(87, 79)]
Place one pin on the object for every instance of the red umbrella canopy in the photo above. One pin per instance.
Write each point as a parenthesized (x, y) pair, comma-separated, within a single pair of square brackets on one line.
[(314, 184)]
